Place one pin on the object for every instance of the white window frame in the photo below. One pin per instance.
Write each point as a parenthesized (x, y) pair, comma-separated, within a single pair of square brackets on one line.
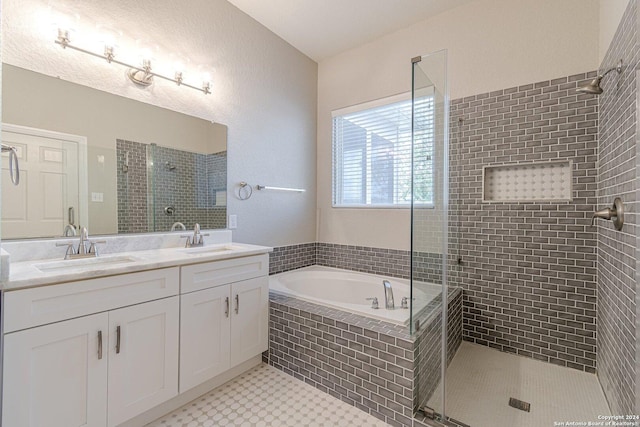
[(361, 107)]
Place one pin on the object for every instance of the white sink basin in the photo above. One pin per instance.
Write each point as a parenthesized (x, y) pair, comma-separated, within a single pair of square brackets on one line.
[(205, 250), (83, 264)]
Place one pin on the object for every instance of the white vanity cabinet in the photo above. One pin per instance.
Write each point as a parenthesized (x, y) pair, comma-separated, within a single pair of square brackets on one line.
[(54, 375), (122, 349), (224, 311), (72, 373), (143, 358)]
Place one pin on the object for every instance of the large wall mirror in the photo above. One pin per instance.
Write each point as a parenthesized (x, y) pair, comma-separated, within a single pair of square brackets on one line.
[(91, 158)]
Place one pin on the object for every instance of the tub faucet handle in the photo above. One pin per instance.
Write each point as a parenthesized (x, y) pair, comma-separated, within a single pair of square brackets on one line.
[(374, 302)]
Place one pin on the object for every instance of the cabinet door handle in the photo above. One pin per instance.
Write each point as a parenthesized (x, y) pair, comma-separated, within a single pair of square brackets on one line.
[(117, 339), (99, 345), (237, 303), (226, 310)]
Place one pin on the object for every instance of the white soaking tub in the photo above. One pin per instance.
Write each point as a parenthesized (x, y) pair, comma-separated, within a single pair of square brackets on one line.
[(348, 291)]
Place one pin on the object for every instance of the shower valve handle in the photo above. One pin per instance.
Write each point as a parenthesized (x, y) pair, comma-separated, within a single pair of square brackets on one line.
[(614, 213)]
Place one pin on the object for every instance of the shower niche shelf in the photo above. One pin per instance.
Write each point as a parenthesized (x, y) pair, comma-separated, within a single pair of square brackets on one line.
[(527, 182)]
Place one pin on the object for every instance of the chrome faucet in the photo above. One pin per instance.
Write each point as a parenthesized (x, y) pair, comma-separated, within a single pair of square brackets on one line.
[(177, 225), (388, 295), (69, 231), (196, 239), (84, 238), (82, 250)]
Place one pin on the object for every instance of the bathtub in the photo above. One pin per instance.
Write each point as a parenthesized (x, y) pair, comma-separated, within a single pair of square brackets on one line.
[(348, 291)]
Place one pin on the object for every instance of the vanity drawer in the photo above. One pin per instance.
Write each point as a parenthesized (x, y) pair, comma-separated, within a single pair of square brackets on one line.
[(208, 275), (47, 304)]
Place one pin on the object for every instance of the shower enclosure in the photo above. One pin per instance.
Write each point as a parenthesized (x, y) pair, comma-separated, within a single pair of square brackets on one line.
[(162, 189), (429, 223)]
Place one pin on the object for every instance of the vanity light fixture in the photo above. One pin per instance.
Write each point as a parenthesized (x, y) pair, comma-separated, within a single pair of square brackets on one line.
[(140, 75)]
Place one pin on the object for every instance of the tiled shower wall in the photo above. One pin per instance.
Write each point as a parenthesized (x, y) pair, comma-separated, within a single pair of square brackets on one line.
[(528, 269), (194, 184), (131, 175), (617, 253), (186, 188)]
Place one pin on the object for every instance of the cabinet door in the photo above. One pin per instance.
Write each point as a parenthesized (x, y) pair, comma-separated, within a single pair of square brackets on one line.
[(56, 376), (204, 335), (249, 319), (143, 358)]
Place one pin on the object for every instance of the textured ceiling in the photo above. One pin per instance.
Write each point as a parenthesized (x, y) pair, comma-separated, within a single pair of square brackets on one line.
[(321, 29)]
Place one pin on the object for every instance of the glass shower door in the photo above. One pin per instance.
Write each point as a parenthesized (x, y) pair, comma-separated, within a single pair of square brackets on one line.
[(429, 239)]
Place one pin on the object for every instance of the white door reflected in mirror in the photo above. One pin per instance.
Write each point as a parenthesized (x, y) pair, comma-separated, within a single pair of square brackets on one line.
[(52, 177)]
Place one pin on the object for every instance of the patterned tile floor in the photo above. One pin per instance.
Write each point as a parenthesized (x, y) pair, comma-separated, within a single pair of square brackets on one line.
[(265, 396)]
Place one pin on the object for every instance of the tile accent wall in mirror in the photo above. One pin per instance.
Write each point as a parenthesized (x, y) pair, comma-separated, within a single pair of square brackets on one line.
[(113, 164)]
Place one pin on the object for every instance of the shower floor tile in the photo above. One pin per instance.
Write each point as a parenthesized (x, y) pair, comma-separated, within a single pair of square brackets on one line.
[(480, 381), (265, 396)]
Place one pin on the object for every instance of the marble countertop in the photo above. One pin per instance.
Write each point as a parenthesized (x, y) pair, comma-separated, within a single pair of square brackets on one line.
[(41, 272)]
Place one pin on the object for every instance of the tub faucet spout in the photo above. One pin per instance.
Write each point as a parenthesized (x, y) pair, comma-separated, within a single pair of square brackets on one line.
[(388, 295)]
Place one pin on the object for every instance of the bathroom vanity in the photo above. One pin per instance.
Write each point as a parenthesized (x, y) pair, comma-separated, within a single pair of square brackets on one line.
[(125, 337)]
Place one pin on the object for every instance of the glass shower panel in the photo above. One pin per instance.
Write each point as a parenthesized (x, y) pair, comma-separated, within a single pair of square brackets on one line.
[(429, 210)]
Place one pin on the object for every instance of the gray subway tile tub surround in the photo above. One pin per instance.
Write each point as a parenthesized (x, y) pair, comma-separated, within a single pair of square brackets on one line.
[(371, 364), (528, 268), (382, 262), (618, 177), (285, 258)]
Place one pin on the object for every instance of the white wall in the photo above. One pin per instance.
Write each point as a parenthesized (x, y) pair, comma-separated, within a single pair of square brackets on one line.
[(611, 12), (492, 44), (264, 90)]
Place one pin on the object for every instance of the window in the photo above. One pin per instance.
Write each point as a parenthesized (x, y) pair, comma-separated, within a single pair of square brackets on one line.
[(372, 153)]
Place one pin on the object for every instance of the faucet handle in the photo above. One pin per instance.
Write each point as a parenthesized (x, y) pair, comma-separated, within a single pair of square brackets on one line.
[(70, 249), (614, 213), (404, 303), (189, 242), (93, 249), (201, 239), (374, 302)]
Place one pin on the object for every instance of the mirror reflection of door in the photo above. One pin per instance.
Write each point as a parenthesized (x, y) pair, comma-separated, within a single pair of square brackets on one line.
[(47, 198)]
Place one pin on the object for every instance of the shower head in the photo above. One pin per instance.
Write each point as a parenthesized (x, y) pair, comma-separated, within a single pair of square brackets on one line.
[(593, 87)]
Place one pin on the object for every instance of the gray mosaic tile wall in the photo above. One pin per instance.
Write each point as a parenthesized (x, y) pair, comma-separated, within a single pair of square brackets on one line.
[(365, 362), (617, 250), (194, 184), (132, 187), (528, 269)]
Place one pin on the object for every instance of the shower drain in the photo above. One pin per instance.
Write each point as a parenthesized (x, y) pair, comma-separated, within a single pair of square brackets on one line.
[(519, 404)]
